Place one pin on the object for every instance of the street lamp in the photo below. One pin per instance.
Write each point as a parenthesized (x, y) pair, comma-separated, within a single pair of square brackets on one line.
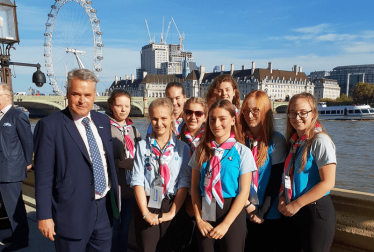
[(8, 37)]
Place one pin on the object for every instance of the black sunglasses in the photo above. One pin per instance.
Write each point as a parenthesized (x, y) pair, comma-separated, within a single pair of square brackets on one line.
[(191, 112)]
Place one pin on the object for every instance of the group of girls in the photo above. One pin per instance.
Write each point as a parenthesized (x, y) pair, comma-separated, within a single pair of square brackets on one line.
[(212, 177)]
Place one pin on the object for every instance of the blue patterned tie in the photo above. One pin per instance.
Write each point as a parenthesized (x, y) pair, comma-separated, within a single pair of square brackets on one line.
[(98, 168)]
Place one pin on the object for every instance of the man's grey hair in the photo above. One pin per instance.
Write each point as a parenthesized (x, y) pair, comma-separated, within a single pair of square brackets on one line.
[(6, 89), (82, 74)]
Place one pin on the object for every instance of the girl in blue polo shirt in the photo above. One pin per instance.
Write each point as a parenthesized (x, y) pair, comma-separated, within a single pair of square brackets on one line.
[(161, 179), (220, 182), (308, 177), (269, 151)]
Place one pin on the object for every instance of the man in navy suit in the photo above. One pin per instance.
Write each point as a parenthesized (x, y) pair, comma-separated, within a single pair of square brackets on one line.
[(16, 149), (76, 186)]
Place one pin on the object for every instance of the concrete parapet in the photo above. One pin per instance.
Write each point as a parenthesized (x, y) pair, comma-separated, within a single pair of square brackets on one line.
[(354, 218)]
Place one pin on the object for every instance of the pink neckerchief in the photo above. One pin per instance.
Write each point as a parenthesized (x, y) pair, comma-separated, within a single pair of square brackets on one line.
[(164, 158), (253, 145), (290, 160), (177, 124), (194, 142), (214, 187), (129, 146)]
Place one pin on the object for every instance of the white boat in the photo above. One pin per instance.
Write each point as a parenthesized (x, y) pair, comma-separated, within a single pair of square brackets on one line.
[(348, 112)]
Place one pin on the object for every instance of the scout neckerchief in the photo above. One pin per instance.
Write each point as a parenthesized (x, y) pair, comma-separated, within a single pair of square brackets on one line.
[(237, 111), (193, 142), (289, 164), (178, 123), (254, 184), (163, 158), (129, 148), (214, 187)]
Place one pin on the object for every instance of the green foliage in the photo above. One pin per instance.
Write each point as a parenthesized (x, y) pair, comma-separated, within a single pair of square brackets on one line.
[(342, 100), (363, 93)]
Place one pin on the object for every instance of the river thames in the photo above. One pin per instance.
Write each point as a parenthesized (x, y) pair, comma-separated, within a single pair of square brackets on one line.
[(354, 142)]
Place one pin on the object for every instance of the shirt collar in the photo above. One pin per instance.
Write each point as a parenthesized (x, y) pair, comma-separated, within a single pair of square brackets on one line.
[(172, 140), (4, 110), (79, 118)]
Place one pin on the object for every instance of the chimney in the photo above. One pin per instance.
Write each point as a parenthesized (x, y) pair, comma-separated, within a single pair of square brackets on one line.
[(126, 77), (132, 78), (222, 68), (231, 69), (115, 79), (202, 73), (295, 69), (144, 74), (253, 67), (300, 69), (120, 78), (243, 67), (270, 65)]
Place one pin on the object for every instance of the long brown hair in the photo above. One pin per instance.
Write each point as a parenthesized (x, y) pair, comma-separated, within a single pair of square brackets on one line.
[(212, 94), (266, 122), (309, 131), (204, 150)]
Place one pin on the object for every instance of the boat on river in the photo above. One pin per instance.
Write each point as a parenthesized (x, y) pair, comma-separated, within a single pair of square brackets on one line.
[(348, 112)]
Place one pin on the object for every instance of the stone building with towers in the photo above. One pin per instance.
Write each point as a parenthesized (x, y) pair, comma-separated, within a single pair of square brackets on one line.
[(278, 84)]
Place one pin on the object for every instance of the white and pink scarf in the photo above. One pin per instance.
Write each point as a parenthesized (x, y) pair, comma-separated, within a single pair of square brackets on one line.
[(129, 143), (214, 188), (164, 158), (253, 143), (194, 142)]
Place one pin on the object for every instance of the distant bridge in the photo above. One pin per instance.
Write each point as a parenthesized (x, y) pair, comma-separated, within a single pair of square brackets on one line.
[(40, 106)]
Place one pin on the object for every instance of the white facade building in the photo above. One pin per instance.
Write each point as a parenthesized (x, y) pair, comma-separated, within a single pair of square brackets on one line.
[(326, 88), (278, 84), (152, 56)]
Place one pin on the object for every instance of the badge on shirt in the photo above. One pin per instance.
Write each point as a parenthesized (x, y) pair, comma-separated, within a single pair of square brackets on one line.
[(287, 182), (155, 199), (209, 211), (206, 180)]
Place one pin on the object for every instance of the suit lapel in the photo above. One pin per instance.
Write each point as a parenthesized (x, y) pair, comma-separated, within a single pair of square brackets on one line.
[(74, 133), (6, 115)]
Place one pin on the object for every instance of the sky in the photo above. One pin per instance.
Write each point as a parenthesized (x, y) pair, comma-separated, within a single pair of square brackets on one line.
[(316, 34)]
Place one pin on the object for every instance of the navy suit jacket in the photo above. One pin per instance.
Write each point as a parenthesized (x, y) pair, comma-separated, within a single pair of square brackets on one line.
[(16, 146), (64, 182)]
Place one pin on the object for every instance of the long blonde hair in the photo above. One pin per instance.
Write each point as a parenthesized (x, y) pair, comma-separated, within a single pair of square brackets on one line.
[(309, 131), (204, 150), (266, 121), (212, 94)]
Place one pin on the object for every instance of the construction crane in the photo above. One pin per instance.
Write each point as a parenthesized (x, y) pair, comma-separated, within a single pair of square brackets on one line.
[(149, 34), (181, 37), (162, 32), (167, 32)]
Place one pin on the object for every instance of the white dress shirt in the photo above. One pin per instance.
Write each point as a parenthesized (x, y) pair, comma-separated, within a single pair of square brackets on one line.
[(4, 110), (82, 131)]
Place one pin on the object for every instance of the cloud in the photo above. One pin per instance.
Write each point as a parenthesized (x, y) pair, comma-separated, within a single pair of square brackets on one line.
[(312, 29), (360, 47), (336, 37)]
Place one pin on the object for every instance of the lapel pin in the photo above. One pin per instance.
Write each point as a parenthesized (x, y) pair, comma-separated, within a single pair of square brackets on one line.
[(230, 158)]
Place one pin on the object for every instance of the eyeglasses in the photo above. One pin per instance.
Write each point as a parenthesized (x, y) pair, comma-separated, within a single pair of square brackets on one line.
[(191, 112), (255, 112), (301, 114)]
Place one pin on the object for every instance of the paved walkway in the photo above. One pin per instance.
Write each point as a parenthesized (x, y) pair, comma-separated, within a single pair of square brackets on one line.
[(37, 242)]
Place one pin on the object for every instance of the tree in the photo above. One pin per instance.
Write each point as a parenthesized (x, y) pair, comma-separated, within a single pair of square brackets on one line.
[(344, 98), (363, 93)]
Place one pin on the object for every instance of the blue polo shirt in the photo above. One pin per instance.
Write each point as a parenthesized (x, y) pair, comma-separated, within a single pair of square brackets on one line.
[(235, 161), (322, 152)]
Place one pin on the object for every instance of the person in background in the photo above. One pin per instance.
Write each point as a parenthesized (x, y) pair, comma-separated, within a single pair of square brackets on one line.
[(161, 180), (125, 138), (269, 151), (195, 111), (224, 87), (309, 175), (221, 176), (16, 148), (175, 92), (76, 187)]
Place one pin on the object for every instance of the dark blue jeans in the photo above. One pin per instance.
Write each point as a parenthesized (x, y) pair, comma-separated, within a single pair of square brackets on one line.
[(121, 230)]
